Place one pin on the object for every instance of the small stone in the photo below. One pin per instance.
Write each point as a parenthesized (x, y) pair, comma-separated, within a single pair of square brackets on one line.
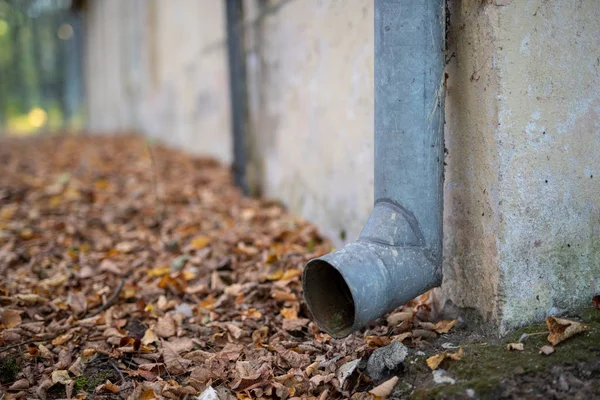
[(386, 361), (470, 393), (439, 376), (563, 385)]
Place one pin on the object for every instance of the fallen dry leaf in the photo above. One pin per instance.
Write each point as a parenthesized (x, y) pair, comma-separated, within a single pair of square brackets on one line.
[(385, 389), (546, 350), (61, 376), (165, 327), (515, 346), (62, 339), (11, 318), (117, 251), (596, 301), (434, 362), (444, 326), (396, 318), (561, 329)]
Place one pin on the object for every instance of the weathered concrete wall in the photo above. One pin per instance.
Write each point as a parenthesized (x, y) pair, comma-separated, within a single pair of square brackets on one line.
[(160, 67), (522, 219), (471, 275), (549, 134), (313, 111), (522, 216)]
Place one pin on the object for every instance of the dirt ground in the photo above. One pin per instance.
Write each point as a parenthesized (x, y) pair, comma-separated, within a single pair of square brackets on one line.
[(129, 270)]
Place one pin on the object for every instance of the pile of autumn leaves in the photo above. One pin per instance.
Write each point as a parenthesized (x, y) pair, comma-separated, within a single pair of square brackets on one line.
[(128, 270), (133, 271)]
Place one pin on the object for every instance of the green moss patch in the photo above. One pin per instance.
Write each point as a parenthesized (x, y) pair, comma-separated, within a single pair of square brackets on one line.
[(485, 364)]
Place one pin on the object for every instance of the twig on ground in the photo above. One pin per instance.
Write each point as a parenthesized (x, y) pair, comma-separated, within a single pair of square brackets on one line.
[(12, 346), (110, 301), (118, 370)]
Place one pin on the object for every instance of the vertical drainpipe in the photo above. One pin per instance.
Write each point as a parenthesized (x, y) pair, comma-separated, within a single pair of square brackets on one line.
[(398, 254), (238, 89)]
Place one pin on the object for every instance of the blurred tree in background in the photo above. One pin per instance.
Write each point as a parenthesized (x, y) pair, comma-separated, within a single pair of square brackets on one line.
[(41, 83)]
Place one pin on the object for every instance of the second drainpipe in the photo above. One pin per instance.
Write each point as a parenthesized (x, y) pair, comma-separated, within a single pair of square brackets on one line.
[(398, 254)]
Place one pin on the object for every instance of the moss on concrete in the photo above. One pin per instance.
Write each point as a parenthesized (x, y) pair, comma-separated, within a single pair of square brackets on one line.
[(485, 364)]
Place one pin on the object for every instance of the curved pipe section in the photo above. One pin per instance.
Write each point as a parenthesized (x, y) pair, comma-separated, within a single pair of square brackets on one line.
[(398, 254)]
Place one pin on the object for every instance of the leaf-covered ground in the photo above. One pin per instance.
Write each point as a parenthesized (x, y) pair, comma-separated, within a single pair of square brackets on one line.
[(128, 270)]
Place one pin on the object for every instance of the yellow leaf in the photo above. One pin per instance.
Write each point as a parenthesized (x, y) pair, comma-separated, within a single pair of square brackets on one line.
[(200, 242), (188, 275), (275, 276), (252, 313), (444, 326), (61, 376), (149, 337), (148, 394), (101, 184), (289, 313), (271, 258), (159, 271), (434, 362), (8, 211), (290, 274), (208, 303), (561, 329), (62, 339)]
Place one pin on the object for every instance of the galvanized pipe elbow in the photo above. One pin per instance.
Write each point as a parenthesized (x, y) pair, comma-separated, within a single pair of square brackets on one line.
[(398, 254), (386, 267)]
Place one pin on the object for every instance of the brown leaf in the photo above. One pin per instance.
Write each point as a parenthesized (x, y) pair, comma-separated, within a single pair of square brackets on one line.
[(396, 318), (385, 389), (174, 363), (596, 301), (11, 318), (165, 327), (110, 266), (562, 329), (21, 384)]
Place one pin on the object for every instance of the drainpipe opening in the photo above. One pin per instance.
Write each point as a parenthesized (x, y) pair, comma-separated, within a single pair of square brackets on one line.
[(329, 298)]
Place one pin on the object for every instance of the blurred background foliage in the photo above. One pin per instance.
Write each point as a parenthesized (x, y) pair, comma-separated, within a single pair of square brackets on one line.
[(41, 82)]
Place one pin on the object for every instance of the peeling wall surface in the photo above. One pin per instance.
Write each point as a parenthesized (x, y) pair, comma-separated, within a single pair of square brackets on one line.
[(522, 216)]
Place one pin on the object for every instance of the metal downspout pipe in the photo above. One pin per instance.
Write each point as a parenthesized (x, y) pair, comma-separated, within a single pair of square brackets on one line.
[(398, 254)]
